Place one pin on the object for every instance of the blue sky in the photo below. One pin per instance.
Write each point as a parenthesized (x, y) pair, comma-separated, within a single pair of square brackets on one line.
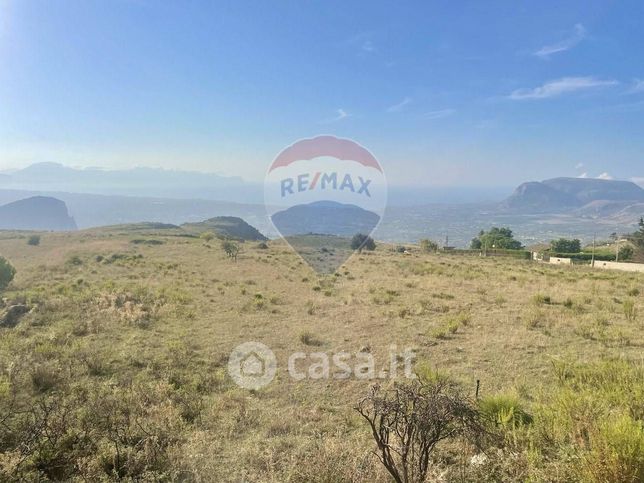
[(443, 93)]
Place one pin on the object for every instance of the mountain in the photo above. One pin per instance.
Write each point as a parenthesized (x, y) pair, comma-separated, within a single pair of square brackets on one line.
[(36, 213), (226, 227), (326, 218), (559, 195), (149, 182)]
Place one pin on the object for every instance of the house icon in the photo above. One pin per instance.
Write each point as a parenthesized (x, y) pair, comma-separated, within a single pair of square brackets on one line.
[(252, 365)]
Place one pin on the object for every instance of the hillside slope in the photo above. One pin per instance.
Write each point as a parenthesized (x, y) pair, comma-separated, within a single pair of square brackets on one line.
[(226, 227)]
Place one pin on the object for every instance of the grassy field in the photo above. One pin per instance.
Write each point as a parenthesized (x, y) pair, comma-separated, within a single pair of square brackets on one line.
[(119, 368)]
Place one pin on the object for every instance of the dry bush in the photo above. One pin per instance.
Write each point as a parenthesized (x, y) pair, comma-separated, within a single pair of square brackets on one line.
[(410, 420)]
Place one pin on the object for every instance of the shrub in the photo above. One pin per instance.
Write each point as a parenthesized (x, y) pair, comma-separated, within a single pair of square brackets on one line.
[(629, 310), (207, 236), (617, 452), (540, 299), (7, 272), (504, 410), (308, 338), (262, 246), (231, 249), (427, 245), (625, 253), (33, 240), (408, 421), (362, 242)]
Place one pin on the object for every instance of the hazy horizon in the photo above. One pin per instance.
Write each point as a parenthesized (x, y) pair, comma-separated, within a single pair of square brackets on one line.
[(479, 95)]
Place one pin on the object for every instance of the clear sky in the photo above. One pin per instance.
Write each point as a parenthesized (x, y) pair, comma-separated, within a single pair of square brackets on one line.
[(442, 92)]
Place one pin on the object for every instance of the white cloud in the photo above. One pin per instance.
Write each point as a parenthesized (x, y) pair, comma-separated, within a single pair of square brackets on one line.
[(577, 35), (439, 114), (561, 86), (604, 175), (399, 106), (583, 175), (579, 165), (341, 114)]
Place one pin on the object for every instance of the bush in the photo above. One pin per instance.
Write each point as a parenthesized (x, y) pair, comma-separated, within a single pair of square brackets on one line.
[(231, 249), (565, 245), (207, 236), (33, 240), (408, 421), (362, 242), (427, 245), (504, 410), (625, 253), (617, 452), (7, 272)]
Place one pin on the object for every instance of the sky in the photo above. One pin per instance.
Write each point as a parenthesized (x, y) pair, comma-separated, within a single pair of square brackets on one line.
[(443, 93)]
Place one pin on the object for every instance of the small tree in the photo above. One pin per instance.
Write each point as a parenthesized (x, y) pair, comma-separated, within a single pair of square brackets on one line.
[(207, 236), (408, 421), (231, 249), (33, 240), (564, 245), (7, 272), (427, 245), (625, 253), (362, 242)]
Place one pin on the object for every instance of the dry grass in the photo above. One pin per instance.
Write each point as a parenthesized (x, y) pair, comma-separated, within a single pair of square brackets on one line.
[(161, 320)]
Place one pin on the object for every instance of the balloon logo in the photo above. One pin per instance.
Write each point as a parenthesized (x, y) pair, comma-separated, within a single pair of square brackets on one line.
[(322, 192)]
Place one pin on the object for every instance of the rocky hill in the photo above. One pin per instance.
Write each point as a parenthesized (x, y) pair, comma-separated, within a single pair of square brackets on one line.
[(559, 195), (36, 213)]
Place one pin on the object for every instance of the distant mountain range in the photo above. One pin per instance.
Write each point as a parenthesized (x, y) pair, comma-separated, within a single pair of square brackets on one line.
[(536, 211), (151, 182), (325, 218), (584, 196), (36, 213)]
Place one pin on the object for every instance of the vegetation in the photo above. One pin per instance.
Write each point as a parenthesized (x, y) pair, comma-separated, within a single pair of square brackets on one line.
[(496, 238), (625, 253), (33, 240), (207, 236), (7, 272), (362, 242), (638, 237), (230, 248), (428, 246), (410, 420), (565, 245), (113, 365)]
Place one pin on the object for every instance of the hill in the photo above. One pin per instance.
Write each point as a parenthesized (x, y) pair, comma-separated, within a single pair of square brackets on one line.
[(226, 227), (36, 213), (325, 218), (565, 194)]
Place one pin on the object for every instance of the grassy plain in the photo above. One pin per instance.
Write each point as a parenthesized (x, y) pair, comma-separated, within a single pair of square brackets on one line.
[(119, 368)]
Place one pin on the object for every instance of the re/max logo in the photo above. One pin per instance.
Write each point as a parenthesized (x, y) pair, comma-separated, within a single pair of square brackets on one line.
[(305, 182)]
